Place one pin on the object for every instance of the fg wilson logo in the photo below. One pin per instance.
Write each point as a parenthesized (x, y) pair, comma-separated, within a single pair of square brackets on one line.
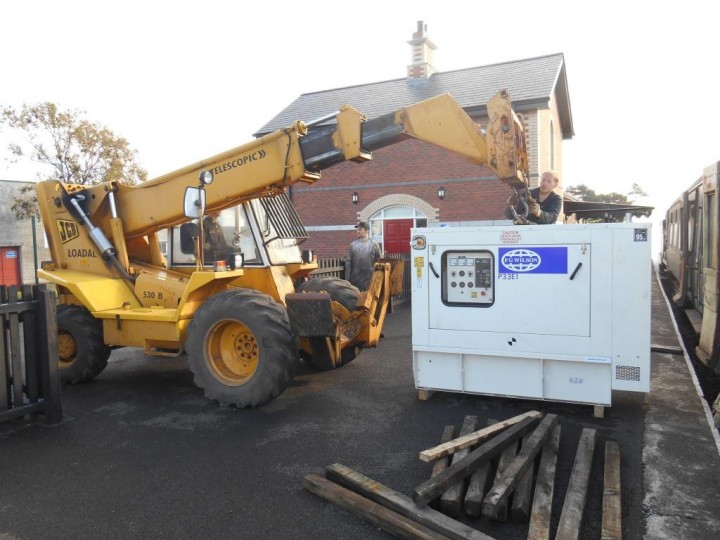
[(67, 229), (533, 260), (521, 260)]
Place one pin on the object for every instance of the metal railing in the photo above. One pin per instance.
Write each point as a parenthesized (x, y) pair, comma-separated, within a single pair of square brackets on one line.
[(29, 379)]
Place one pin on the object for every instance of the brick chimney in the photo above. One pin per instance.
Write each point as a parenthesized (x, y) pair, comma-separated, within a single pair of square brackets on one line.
[(421, 51)]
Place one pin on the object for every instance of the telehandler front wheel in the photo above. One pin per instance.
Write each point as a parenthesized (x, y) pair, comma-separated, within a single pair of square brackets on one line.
[(81, 349), (241, 349)]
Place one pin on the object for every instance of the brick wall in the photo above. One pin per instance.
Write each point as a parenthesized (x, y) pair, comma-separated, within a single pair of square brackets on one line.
[(329, 244)]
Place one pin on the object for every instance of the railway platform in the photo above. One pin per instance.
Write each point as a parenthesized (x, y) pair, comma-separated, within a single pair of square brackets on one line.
[(681, 448)]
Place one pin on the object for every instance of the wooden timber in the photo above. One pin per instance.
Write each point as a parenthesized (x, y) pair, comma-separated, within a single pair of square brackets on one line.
[(543, 498), (402, 504), (392, 522), (431, 454), (451, 500), (479, 483), (424, 394), (522, 496), (442, 463), (506, 458), (432, 488), (501, 490), (612, 512), (572, 512)]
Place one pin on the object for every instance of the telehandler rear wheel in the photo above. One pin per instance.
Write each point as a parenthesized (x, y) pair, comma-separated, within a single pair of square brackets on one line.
[(81, 350), (346, 294), (241, 349)]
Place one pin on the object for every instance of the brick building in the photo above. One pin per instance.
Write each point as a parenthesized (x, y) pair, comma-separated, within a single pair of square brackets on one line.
[(414, 183)]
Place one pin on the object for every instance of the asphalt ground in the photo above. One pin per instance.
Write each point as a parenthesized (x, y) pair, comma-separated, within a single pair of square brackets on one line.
[(142, 454)]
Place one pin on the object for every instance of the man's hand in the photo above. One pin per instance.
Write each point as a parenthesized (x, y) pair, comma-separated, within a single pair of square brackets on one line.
[(533, 207)]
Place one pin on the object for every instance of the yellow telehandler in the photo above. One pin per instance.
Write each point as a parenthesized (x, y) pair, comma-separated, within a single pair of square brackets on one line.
[(132, 269)]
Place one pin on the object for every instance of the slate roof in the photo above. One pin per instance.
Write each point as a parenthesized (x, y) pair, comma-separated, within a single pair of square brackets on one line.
[(530, 82)]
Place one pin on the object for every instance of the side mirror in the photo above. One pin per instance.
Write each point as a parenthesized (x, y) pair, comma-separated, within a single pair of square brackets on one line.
[(194, 203)]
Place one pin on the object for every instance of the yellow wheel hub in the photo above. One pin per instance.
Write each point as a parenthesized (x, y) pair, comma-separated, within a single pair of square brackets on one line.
[(67, 349), (232, 352)]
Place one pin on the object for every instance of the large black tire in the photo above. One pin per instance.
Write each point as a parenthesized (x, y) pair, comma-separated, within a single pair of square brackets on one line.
[(81, 350), (341, 291), (346, 294), (241, 349)]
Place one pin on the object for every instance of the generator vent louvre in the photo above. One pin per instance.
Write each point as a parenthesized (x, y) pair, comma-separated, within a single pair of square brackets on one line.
[(627, 373)]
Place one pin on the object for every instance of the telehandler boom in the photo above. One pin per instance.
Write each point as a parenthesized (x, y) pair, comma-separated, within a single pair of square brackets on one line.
[(131, 266)]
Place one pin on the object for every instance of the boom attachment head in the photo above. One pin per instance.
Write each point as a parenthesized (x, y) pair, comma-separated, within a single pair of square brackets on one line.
[(506, 143)]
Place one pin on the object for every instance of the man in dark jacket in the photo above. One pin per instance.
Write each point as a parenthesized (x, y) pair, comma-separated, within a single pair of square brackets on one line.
[(361, 258), (544, 205)]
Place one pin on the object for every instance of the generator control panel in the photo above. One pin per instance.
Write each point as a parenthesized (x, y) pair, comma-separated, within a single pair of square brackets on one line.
[(468, 278)]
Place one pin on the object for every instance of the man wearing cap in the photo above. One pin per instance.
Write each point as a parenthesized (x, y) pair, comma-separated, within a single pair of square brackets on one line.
[(361, 258)]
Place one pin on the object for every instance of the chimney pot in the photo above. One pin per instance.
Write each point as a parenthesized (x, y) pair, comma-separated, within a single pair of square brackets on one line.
[(421, 49)]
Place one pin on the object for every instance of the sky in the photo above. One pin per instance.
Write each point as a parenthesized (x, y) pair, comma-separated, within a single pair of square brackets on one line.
[(183, 80)]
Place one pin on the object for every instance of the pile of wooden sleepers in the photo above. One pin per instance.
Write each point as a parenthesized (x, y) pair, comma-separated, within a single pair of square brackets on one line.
[(486, 473)]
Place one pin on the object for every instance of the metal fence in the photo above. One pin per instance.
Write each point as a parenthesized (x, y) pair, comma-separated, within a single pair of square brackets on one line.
[(29, 379), (336, 268)]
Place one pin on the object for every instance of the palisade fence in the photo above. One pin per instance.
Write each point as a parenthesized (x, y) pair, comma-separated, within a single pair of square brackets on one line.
[(336, 268), (29, 379)]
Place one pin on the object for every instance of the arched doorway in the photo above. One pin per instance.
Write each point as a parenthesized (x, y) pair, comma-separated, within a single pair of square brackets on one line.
[(391, 217)]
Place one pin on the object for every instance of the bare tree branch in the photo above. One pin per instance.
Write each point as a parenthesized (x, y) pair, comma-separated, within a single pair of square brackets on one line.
[(69, 148)]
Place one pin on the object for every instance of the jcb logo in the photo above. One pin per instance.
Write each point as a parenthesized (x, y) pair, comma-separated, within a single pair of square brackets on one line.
[(67, 229)]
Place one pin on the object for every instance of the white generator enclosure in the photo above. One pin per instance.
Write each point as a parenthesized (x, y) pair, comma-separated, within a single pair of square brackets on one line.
[(551, 312)]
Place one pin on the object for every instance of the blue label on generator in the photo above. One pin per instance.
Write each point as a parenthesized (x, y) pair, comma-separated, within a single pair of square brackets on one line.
[(533, 260)]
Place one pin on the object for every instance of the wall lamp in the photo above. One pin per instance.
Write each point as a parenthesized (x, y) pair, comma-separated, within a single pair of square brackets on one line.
[(441, 192), (355, 197)]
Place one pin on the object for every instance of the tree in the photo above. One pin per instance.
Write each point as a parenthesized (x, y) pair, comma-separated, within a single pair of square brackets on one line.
[(69, 148), (585, 193)]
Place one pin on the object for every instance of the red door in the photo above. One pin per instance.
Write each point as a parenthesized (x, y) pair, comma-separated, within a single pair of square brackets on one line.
[(10, 266), (396, 235)]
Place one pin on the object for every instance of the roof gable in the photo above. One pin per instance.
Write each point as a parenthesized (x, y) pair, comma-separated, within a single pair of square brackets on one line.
[(530, 82)]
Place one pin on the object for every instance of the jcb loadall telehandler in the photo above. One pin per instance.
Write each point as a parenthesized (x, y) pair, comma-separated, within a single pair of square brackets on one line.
[(237, 314)]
